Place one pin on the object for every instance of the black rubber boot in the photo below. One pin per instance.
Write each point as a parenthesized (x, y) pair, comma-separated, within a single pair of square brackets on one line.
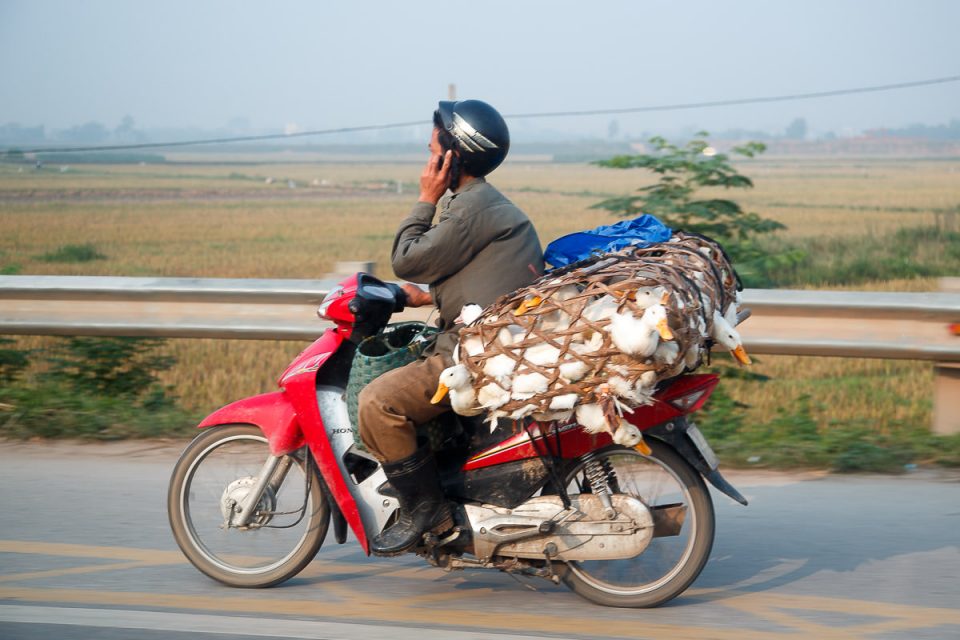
[(422, 505)]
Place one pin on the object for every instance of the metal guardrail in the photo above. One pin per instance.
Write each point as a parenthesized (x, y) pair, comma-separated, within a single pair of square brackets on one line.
[(822, 323), (166, 307), (860, 324), (912, 326)]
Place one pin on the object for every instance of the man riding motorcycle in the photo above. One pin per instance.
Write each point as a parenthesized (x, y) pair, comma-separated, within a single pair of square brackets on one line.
[(481, 247)]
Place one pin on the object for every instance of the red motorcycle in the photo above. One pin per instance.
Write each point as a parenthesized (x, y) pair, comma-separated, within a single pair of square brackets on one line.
[(252, 497)]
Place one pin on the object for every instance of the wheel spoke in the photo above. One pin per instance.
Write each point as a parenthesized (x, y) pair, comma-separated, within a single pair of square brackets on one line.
[(214, 477), (670, 562)]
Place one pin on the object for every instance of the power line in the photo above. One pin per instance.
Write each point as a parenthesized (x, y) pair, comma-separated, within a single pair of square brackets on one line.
[(186, 143), (515, 116), (757, 100)]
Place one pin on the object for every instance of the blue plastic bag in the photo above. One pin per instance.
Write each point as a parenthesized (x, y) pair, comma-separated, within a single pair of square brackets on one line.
[(640, 231)]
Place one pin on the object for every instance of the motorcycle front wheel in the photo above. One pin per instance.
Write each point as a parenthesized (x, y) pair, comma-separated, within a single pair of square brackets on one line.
[(675, 557), (289, 523)]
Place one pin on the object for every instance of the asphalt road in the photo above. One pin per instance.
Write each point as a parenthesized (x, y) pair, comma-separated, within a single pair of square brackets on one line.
[(85, 552)]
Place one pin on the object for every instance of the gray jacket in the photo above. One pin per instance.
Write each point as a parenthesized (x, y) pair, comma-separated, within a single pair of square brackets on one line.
[(481, 248)]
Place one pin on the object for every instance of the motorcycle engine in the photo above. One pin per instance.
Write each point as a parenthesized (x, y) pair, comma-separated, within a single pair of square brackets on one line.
[(542, 528)]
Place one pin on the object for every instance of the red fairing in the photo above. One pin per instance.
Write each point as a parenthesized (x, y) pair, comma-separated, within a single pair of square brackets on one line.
[(572, 441), (336, 306), (661, 410), (301, 389), (311, 358), (272, 412)]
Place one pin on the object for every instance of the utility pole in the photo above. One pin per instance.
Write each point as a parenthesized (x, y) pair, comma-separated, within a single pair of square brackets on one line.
[(451, 91)]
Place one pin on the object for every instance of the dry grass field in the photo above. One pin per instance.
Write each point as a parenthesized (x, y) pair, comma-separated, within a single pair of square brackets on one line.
[(226, 220)]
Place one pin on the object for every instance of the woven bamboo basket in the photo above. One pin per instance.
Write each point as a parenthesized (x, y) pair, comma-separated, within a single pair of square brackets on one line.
[(692, 269)]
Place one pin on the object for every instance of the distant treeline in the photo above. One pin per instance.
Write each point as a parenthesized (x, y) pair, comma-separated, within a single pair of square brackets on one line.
[(13, 135), (949, 131)]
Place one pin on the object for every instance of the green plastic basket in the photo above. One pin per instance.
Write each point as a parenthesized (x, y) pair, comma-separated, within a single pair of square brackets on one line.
[(397, 345)]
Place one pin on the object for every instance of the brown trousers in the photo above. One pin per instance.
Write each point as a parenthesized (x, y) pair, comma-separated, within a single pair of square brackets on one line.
[(390, 408)]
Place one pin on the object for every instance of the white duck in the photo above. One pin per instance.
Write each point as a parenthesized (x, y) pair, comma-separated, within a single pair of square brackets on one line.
[(594, 343), (635, 394), (523, 412), (469, 314), (564, 402), (648, 379), (510, 334), (519, 414), (558, 320), (544, 354), (692, 356), (492, 396), (550, 416), (727, 336), (627, 435), (500, 367), (473, 345), (667, 352), (601, 308), (688, 360), (527, 385), (649, 296), (529, 302), (592, 417), (573, 369), (730, 315), (457, 382), (493, 417), (640, 337)]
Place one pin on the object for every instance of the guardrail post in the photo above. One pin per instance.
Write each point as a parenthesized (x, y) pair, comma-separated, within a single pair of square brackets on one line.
[(946, 382), (946, 398)]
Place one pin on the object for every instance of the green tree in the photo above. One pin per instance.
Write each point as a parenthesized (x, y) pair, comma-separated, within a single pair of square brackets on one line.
[(682, 172)]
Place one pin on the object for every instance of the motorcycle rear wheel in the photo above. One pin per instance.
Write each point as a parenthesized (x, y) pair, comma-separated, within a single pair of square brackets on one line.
[(288, 527), (670, 563)]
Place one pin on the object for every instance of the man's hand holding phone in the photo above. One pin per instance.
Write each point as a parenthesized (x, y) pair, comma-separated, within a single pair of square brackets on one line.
[(435, 178)]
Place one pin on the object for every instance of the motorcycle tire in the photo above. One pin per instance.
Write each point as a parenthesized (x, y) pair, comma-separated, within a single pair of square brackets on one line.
[(670, 563), (287, 529)]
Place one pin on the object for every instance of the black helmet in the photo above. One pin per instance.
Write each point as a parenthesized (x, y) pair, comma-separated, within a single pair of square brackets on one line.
[(480, 132)]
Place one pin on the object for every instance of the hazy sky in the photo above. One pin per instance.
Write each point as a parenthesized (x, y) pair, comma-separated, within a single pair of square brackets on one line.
[(329, 64)]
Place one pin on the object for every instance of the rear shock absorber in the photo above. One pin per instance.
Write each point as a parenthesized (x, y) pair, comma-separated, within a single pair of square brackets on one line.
[(612, 482), (597, 475)]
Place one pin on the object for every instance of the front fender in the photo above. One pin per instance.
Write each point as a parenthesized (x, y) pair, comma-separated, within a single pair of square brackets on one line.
[(271, 412)]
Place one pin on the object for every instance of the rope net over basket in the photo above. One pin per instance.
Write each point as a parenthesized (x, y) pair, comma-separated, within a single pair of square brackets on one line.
[(603, 331)]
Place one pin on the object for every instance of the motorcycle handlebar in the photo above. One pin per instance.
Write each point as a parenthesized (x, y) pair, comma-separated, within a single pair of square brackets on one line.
[(399, 295)]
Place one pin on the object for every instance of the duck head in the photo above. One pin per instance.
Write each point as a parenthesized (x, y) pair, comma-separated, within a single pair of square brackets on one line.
[(732, 342), (453, 379), (656, 315), (527, 304)]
